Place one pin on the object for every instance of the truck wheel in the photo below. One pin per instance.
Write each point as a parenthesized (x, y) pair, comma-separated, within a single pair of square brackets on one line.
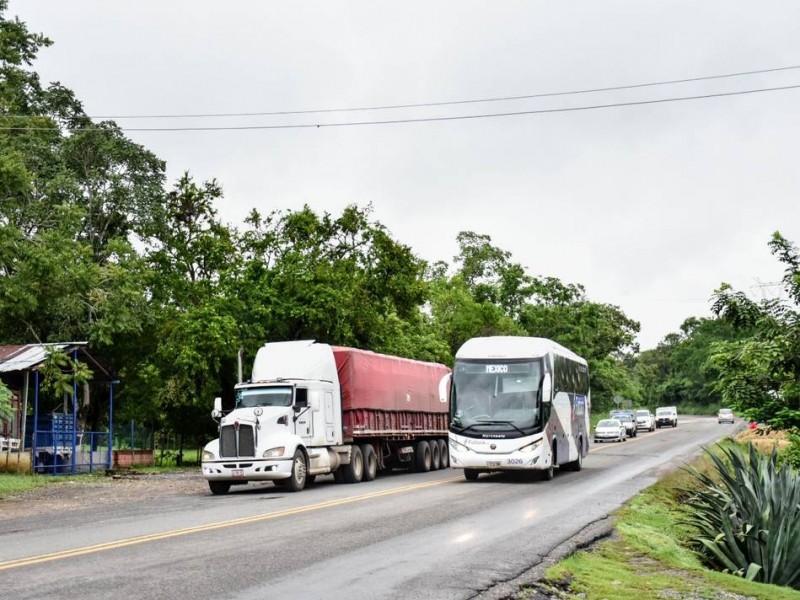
[(310, 479), (370, 460), (444, 457), (219, 488), (422, 457), (298, 479), (435, 456), (338, 475), (471, 474), (354, 470)]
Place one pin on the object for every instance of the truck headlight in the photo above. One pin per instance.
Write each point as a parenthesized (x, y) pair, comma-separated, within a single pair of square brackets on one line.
[(208, 455), (458, 447), (531, 447), (274, 452)]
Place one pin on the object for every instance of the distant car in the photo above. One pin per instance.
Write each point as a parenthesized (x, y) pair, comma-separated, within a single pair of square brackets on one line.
[(610, 430), (666, 415), (645, 420), (725, 415), (628, 419)]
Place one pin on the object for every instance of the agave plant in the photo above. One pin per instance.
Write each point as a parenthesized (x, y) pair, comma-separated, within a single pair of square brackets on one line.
[(746, 516)]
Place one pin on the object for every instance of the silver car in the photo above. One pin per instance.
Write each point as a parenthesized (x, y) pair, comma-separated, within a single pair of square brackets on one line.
[(610, 430)]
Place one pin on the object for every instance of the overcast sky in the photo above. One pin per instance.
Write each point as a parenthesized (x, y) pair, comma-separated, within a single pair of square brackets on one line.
[(649, 207)]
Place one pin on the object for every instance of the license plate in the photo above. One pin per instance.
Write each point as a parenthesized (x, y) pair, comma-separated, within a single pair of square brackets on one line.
[(492, 464), (237, 473)]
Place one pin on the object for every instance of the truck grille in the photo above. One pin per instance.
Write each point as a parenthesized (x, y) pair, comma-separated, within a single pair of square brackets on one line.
[(228, 441)]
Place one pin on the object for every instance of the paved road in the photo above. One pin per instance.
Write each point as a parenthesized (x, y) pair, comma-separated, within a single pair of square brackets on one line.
[(426, 535)]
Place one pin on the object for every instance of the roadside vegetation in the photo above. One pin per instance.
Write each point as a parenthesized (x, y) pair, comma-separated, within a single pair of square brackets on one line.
[(715, 530), (167, 293)]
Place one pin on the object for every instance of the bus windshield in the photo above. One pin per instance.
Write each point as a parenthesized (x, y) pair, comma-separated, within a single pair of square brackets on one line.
[(496, 395)]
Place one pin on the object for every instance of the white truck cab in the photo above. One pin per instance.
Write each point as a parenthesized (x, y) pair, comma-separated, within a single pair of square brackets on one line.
[(286, 422)]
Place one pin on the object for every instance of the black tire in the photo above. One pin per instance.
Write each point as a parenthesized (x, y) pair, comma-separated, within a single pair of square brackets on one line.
[(219, 488), (370, 462), (471, 474), (550, 472), (444, 455), (354, 470), (299, 477), (435, 462), (422, 457), (576, 465), (310, 479), (338, 475)]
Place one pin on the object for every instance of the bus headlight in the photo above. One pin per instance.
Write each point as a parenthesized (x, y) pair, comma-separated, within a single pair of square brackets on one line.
[(531, 447), (208, 455), (458, 447), (274, 452)]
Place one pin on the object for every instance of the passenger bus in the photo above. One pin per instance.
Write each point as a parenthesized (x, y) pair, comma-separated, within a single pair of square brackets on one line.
[(517, 403)]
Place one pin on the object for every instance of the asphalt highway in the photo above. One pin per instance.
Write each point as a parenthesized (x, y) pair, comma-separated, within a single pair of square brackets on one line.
[(404, 535)]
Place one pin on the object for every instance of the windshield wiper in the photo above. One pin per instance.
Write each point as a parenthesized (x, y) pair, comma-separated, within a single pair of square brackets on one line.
[(493, 422), (463, 429)]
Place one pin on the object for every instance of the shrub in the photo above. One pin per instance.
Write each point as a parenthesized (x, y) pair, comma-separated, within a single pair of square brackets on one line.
[(746, 516)]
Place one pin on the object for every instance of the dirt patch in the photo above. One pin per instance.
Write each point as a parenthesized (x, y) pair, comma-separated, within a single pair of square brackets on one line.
[(764, 439), (119, 489)]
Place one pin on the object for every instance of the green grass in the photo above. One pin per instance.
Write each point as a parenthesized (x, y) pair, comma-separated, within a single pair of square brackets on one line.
[(648, 558), (12, 484)]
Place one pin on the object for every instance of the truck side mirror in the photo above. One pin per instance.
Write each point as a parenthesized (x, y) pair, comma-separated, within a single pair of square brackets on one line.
[(444, 388), (217, 412), (547, 388)]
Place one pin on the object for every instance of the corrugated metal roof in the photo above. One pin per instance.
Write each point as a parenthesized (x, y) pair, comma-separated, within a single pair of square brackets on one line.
[(22, 358)]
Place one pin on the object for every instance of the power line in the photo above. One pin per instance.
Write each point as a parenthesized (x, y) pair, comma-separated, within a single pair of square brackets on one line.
[(424, 119), (450, 102), (443, 103)]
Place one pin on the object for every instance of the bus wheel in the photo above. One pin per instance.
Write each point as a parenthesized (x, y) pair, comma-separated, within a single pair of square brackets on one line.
[(219, 488), (576, 465), (444, 457), (370, 462), (422, 457), (471, 474), (435, 455)]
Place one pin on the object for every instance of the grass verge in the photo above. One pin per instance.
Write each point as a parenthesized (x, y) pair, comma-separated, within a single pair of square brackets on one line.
[(648, 558)]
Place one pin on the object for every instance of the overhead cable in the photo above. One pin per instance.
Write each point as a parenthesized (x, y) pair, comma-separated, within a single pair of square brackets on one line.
[(423, 119)]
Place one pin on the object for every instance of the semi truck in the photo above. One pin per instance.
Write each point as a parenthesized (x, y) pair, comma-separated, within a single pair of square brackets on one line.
[(312, 409)]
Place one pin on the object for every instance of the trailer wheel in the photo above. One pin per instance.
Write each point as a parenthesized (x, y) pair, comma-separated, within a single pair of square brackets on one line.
[(435, 455), (370, 460), (471, 474), (422, 457), (354, 470), (444, 457), (297, 481), (219, 488)]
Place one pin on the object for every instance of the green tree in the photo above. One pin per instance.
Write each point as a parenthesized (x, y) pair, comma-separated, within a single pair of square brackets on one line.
[(759, 374)]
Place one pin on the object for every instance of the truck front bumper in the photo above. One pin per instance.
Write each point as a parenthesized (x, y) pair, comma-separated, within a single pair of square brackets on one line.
[(247, 470)]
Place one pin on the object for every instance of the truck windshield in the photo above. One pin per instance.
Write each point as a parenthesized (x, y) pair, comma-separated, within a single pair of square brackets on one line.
[(264, 396), (496, 395)]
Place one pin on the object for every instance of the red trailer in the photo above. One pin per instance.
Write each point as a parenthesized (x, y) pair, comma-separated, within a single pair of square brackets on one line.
[(387, 400)]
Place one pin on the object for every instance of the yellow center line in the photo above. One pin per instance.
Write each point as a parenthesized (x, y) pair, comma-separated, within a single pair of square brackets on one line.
[(153, 537)]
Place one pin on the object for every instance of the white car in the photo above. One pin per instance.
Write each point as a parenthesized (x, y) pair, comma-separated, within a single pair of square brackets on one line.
[(725, 415), (645, 420), (610, 430)]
